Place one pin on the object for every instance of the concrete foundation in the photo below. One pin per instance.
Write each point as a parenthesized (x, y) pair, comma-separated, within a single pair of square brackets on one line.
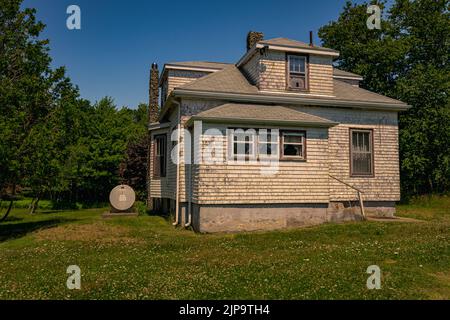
[(237, 218)]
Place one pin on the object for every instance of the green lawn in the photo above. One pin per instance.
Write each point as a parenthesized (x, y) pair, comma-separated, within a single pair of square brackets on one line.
[(146, 258)]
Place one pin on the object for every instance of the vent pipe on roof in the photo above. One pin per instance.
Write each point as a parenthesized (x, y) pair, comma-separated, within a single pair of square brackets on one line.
[(254, 37), (153, 108), (311, 40)]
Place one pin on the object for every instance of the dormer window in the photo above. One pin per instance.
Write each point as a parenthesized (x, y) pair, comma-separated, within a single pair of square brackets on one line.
[(297, 71)]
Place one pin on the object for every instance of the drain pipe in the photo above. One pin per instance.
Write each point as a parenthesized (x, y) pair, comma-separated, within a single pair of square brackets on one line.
[(177, 196), (189, 222)]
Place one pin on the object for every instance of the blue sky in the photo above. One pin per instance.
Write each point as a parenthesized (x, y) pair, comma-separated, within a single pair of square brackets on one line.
[(118, 40)]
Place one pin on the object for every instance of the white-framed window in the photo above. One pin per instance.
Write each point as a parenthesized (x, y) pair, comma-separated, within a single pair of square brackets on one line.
[(268, 143), (297, 72), (243, 143), (293, 145)]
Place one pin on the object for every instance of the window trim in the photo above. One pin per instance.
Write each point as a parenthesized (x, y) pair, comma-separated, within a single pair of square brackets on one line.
[(304, 146), (288, 73), (253, 143), (157, 174), (277, 144), (372, 150)]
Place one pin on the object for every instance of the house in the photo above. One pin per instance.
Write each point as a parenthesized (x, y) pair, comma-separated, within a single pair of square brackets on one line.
[(279, 139)]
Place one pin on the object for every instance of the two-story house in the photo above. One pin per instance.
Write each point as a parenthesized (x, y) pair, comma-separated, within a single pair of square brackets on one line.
[(279, 139)]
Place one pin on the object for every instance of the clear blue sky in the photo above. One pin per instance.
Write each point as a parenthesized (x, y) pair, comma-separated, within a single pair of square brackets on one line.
[(112, 53)]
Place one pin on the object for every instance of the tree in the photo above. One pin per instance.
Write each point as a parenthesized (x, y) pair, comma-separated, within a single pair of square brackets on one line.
[(28, 89), (134, 166), (407, 59)]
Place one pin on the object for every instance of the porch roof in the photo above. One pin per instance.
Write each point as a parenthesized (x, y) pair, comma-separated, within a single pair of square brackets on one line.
[(260, 114)]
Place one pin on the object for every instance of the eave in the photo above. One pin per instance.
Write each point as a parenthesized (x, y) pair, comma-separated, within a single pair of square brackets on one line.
[(303, 100)]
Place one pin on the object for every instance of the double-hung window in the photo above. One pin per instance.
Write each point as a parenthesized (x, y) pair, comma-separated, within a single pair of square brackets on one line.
[(268, 143), (293, 145), (244, 143), (361, 152), (297, 72), (160, 156)]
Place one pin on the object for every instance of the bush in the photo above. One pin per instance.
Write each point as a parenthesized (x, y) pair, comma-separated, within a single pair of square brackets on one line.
[(141, 208), (25, 204)]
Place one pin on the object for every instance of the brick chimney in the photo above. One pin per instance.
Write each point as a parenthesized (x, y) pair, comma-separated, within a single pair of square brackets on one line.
[(253, 37), (153, 108)]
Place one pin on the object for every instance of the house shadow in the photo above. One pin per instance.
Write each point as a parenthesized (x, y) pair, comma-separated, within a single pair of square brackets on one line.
[(19, 230)]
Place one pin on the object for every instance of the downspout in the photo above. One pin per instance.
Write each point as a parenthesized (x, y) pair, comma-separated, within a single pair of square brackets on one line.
[(189, 222), (177, 196)]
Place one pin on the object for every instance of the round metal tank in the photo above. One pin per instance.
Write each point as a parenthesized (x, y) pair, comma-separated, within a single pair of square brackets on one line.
[(122, 197)]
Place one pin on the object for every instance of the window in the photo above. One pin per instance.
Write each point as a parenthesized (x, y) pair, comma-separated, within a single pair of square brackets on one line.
[(160, 156), (268, 145), (265, 144), (297, 66), (244, 143), (293, 145), (361, 152)]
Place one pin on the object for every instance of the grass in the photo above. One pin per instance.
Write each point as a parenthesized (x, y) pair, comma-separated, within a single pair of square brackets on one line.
[(146, 258)]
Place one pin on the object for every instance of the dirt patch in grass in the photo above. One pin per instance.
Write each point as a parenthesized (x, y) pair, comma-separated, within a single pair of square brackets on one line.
[(95, 232)]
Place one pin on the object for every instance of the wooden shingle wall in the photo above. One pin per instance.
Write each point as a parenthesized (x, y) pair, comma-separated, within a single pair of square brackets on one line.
[(252, 69), (246, 183), (385, 185), (273, 73)]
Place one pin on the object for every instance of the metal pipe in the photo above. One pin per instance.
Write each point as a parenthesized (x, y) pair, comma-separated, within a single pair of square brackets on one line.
[(177, 196)]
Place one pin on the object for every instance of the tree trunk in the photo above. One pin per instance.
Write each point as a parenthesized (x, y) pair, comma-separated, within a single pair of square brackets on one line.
[(7, 211), (34, 205), (11, 202)]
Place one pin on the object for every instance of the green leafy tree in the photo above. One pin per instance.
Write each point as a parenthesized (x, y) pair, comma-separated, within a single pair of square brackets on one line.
[(407, 59), (28, 89)]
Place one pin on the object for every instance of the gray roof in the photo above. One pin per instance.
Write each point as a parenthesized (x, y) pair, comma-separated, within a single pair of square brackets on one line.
[(258, 113), (231, 80), (346, 91), (341, 73), (200, 64), (285, 42)]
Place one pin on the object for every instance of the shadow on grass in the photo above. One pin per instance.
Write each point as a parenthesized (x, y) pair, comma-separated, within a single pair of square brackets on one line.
[(18, 230)]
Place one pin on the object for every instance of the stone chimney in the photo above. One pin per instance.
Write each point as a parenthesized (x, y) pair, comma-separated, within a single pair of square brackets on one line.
[(153, 108), (253, 37)]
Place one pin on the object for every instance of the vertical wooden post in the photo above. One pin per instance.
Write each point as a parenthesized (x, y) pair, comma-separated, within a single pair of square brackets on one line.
[(361, 203)]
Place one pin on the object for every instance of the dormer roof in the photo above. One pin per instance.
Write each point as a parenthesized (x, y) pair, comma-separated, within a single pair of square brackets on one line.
[(289, 44)]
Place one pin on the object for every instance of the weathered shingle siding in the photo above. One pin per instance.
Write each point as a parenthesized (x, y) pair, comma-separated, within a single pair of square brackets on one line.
[(295, 181), (328, 153), (320, 75), (164, 187), (251, 69), (177, 78), (385, 185), (273, 73)]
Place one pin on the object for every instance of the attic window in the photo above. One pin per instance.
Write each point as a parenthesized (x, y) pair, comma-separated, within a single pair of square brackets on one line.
[(297, 66)]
